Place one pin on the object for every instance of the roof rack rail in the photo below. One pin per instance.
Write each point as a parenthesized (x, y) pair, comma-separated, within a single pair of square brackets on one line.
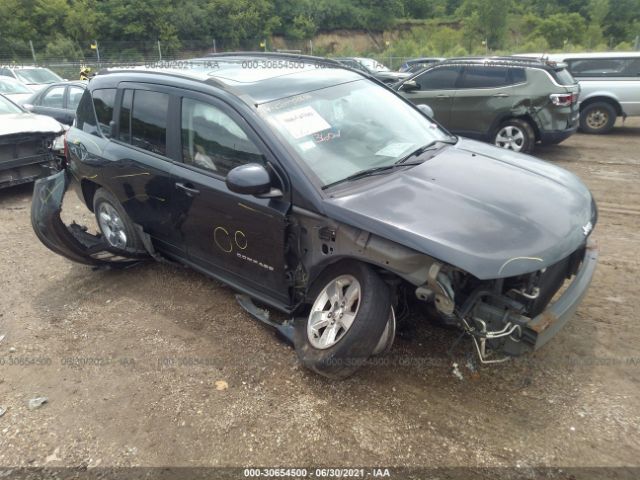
[(285, 55)]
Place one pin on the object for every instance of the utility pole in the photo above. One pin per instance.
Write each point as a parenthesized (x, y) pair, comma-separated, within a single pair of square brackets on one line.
[(215, 50), (159, 51), (33, 52)]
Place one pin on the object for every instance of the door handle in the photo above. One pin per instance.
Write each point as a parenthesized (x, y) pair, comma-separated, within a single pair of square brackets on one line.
[(190, 191), (501, 95), (442, 96)]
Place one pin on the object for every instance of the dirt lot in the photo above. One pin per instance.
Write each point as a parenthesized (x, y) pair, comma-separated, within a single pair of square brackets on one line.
[(129, 362)]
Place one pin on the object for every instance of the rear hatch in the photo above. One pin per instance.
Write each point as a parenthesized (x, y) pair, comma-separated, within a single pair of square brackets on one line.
[(566, 100)]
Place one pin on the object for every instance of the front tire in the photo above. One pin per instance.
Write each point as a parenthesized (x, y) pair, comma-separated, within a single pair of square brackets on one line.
[(516, 135), (350, 311), (114, 223), (597, 118)]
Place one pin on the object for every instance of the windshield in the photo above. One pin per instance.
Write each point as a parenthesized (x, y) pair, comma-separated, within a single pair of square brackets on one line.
[(9, 86), (342, 130), (37, 75), (6, 106)]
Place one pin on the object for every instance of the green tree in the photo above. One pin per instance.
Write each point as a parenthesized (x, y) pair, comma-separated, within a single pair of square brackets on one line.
[(561, 29), (485, 21)]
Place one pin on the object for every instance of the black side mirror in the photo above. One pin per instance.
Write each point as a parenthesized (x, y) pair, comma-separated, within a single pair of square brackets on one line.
[(250, 179), (410, 86)]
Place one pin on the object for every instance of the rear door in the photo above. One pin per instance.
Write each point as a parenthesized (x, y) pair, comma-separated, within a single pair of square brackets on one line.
[(239, 237), (437, 89), (141, 145), (485, 93)]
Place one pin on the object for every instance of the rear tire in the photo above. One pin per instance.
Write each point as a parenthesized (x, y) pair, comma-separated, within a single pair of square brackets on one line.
[(350, 312), (114, 223), (598, 118), (515, 134)]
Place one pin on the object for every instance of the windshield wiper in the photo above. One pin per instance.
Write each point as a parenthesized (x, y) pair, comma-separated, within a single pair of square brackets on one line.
[(370, 172), (419, 151)]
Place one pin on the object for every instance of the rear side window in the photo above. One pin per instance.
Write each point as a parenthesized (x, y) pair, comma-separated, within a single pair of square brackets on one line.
[(75, 94), (103, 103), (484, 77), (604, 67), (563, 76), (149, 121), (441, 78), (517, 75), (124, 130), (85, 116)]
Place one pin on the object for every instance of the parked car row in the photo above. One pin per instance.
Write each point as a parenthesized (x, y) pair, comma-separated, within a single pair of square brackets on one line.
[(333, 199), (610, 83), (511, 102)]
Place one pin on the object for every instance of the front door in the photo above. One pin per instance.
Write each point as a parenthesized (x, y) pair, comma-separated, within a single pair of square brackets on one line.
[(437, 89), (240, 238)]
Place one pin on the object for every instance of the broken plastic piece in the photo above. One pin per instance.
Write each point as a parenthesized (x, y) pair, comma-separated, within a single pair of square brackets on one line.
[(37, 402), (72, 241)]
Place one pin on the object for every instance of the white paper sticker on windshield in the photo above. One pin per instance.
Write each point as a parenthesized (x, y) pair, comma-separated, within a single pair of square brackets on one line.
[(394, 149), (302, 122)]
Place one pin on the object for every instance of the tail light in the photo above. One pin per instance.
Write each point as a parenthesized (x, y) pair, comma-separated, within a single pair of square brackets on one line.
[(66, 148), (563, 99)]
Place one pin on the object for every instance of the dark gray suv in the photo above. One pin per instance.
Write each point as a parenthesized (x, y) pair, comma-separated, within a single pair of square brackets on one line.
[(511, 102)]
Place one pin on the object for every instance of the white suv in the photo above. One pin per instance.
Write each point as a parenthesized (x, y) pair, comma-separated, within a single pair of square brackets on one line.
[(610, 86)]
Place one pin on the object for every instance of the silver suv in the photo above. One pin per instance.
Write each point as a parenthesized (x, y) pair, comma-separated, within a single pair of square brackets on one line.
[(610, 86)]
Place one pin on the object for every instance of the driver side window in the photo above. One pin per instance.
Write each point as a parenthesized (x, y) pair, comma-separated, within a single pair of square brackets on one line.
[(212, 140), (440, 78)]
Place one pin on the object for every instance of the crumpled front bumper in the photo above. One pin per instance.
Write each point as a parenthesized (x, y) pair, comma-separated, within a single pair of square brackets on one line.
[(542, 328), (72, 241)]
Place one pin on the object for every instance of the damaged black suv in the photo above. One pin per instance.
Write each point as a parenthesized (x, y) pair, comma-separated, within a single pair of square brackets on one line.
[(280, 176)]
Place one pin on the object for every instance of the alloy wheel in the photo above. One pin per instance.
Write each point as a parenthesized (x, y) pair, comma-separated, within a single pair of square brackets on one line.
[(510, 137), (334, 311), (112, 226)]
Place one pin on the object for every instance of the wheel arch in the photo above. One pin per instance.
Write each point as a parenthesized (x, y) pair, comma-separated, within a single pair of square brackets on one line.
[(506, 117), (602, 98), (89, 189)]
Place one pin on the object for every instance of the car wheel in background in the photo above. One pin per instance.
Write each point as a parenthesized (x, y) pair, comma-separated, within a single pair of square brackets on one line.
[(597, 117), (113, 222), (516, 135), (350, 320)]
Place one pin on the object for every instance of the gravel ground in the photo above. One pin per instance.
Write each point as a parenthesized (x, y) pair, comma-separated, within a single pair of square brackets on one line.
[(158, 366)]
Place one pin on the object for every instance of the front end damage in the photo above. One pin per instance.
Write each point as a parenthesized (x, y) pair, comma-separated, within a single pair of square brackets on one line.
[(513, 316), (26, 156), (72, 241), (504, 317)]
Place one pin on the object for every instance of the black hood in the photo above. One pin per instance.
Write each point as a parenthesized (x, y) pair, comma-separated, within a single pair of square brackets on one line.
[(491, 212)]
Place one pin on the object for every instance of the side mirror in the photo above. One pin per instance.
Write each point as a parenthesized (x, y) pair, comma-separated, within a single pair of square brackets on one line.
[(409, 86), (250, 179), (426, 110), (28, 107)]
